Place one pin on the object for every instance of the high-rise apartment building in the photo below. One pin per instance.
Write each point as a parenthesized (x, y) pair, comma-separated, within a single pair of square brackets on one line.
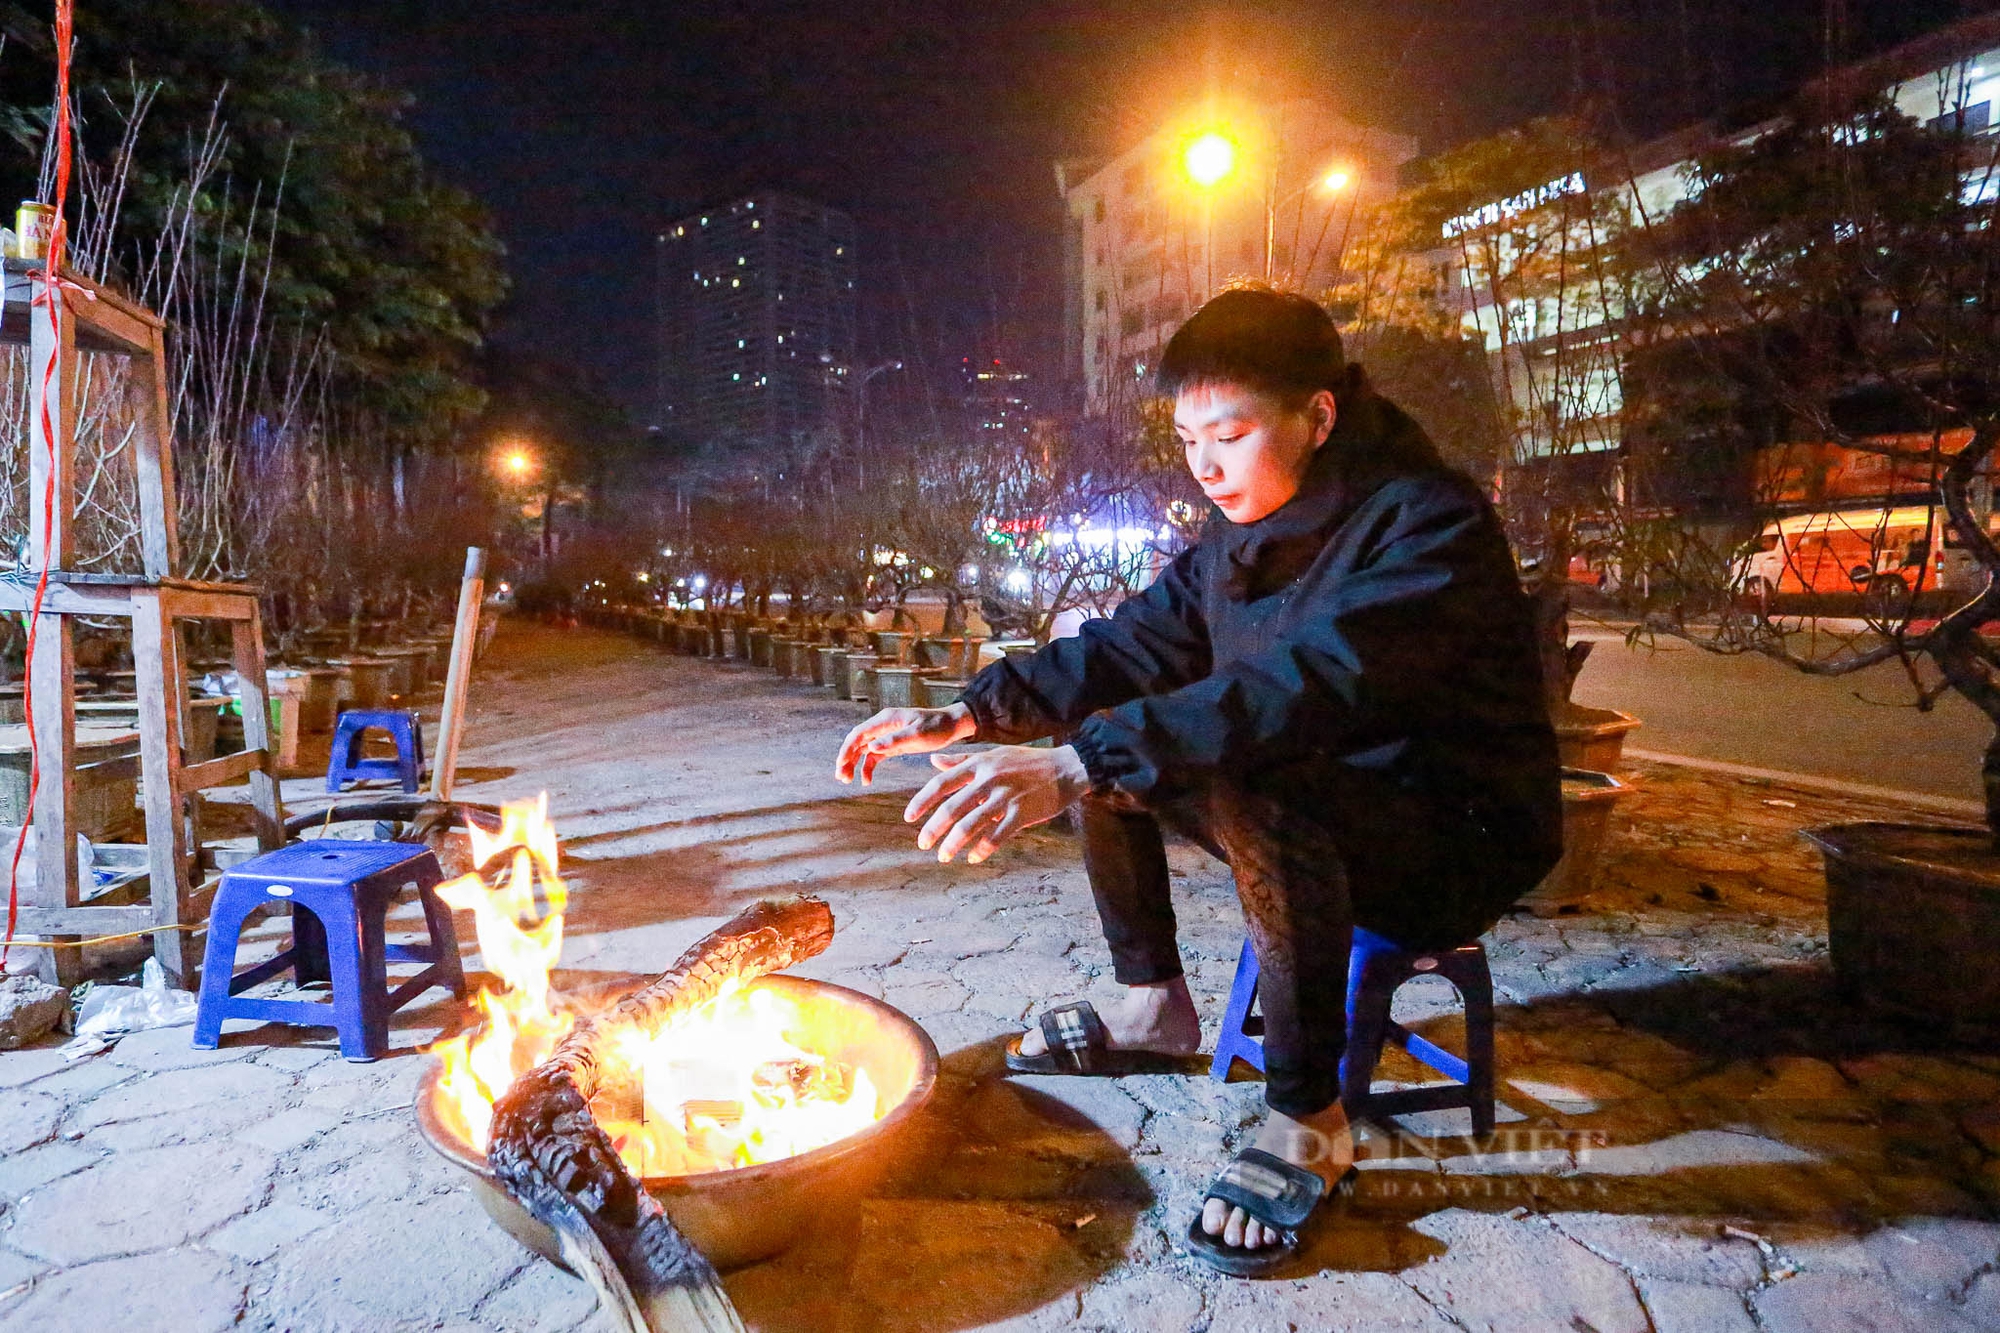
[(995, 396), (756, 316), (1146, 243)]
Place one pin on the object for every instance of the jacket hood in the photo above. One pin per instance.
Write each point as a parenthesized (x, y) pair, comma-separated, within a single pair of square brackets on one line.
[(1373, 442)]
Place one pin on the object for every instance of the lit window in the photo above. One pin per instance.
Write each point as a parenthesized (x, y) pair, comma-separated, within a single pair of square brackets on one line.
[(739, 261), (739, 342), (704, 222), (781, 339), (736, 282), (736, 375), (697, 275), (840, 249), (752, 204)]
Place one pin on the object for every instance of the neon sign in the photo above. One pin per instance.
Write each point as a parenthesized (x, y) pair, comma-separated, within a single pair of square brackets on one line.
[(1487, 215)]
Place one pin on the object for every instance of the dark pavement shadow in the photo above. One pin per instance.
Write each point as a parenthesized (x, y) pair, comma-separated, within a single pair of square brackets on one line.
[(1007, 1199)]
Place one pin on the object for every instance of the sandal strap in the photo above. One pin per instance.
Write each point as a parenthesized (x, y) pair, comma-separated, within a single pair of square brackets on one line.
[(1268, 1188), (1073, 1032)]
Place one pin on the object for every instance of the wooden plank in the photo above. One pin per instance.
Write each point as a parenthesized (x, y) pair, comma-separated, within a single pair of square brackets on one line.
[(51, 501), (73, 921), (184, 604), (67, 599), (220, 772), (247, 638), (153, 459), (464, 638), (157, 665)]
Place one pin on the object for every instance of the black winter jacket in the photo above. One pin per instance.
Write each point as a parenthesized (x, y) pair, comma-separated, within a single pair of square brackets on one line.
[(1365, 653)]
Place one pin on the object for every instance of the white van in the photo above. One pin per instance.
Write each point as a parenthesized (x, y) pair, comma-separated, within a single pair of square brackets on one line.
[(1888, 553)]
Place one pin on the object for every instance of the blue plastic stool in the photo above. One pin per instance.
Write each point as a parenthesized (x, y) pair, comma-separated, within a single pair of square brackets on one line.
[(1375, 969), (339, 892), (346, 764)]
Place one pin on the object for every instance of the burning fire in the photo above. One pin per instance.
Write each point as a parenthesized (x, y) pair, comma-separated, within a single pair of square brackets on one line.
[(725, 1085)]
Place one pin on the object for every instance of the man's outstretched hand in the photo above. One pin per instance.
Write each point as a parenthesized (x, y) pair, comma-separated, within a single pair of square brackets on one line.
[(900, 731), (978, 801)]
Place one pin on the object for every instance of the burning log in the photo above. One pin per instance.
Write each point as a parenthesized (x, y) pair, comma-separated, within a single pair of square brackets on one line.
[(548, 1151)]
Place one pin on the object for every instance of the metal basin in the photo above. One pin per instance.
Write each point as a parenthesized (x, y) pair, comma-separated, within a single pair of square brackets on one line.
[(739, 1217)]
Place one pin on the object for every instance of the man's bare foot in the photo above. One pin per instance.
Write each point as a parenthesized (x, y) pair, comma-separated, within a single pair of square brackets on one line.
[(1320, 1143), (1158, 1017)]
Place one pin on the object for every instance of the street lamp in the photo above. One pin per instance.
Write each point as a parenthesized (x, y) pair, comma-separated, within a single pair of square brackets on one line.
[(861, 416), (1209, 159), (1334, 181)]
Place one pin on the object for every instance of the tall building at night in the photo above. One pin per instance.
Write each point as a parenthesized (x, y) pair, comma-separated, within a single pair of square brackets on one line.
[(756, 318), (995, 396), (1145, 243)]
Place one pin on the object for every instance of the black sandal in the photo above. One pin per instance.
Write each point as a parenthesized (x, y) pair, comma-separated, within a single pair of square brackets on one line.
[(1078, 1044), (1272, 1191)]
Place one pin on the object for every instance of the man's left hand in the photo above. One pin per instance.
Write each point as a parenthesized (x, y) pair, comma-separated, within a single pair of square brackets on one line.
[(978, 801)]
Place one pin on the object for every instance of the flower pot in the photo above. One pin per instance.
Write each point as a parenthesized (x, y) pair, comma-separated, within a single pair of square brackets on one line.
[(822, 663), (941, 692), (785, 658), (760, 646), (1592, 739), (1589, 798), (1913, 920), (895, 686)]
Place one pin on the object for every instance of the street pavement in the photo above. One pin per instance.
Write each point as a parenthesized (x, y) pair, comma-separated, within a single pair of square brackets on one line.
[(1696, 1135), (1754, 711)]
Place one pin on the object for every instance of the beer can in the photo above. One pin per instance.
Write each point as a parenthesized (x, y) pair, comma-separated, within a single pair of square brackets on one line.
[(34, 229)]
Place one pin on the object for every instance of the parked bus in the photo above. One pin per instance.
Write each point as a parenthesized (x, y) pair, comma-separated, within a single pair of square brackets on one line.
[(1885, 553)]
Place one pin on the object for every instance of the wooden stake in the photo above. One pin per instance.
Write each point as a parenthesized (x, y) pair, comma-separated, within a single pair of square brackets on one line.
[(464, 637)]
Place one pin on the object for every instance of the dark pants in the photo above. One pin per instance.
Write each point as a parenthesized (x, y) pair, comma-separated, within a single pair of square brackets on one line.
[(1300, 905)]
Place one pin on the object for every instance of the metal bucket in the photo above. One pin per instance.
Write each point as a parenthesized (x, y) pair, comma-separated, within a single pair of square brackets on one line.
[(739, 1217)]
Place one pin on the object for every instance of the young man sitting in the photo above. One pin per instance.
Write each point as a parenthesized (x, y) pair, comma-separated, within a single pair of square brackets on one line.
[(1336, 691)]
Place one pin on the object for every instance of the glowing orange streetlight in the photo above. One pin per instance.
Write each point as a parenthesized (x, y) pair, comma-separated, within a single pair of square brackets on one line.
[(1336, 180), (1209, 159), (517, 462)]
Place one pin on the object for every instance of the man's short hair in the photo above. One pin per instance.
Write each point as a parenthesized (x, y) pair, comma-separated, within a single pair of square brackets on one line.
[(1273, 342)]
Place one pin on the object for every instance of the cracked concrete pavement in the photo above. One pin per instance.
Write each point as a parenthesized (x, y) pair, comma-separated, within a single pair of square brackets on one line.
[(1696, 1136)]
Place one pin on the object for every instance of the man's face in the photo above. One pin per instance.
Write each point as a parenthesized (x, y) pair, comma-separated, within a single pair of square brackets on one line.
[(1247, 451)]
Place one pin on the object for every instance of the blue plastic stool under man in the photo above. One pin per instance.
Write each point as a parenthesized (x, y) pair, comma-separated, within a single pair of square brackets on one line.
[(1375, 968), (339, 893), (346, 764)]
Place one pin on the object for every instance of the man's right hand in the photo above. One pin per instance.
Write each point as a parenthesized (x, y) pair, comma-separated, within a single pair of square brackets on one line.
[(900, 731)]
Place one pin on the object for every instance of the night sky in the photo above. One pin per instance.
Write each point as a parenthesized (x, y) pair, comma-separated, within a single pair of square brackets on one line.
[(584, 126)]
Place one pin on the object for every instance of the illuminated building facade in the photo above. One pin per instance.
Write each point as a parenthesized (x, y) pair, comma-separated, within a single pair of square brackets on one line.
[(756, 307), (1145, 244)]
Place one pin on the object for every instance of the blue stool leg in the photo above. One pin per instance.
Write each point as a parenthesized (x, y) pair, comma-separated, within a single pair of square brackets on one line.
[(444, 938), (1234, 1042), (417, 739), (401, 726), (346, 749), (350, 980), (218, 966), (370, 907), (1369, 994)]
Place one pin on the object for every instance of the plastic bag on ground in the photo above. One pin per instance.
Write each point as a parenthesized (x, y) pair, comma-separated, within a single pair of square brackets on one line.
[(109, 1012)]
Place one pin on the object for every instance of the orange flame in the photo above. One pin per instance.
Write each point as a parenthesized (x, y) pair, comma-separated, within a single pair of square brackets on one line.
[(521, 1026), (731, 1083)]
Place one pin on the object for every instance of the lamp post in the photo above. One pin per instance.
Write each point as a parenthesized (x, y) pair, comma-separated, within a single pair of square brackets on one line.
[(1333, 181), (861, 416), (1209, 160)]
